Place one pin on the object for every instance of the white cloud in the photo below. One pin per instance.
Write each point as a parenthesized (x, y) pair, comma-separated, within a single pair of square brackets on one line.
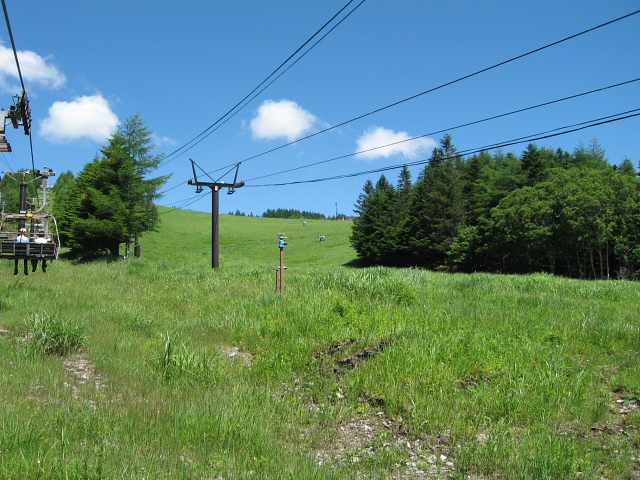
[(161, 141), (381, 142), (87, 117), (284, 119), (35, 69)]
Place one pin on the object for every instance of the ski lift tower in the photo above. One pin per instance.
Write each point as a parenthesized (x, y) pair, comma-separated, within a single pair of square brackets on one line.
[(215, 208)]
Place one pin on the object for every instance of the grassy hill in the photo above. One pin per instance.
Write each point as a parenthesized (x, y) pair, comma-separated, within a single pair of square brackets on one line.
[(160, 367), (250, 241)]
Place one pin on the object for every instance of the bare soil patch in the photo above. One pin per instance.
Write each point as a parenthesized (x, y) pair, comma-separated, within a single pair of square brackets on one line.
[(83, 372)]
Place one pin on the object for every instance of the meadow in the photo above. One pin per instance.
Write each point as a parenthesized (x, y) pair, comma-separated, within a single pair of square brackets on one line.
[(161, 367)]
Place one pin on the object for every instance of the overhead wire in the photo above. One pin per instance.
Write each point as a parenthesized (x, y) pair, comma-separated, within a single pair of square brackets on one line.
[(437, 88), (15, 54), (524, 139), (8, 157), (586, 124), (448, 129), (413, 97), (239, 106), (529, 138), (4, 159), (256, 94), (494, 117)]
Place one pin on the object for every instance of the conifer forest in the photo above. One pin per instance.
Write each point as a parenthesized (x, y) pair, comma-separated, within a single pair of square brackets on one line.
[(565, 213)]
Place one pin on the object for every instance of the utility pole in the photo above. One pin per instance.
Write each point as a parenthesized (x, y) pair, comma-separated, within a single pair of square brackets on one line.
[(215, 208)]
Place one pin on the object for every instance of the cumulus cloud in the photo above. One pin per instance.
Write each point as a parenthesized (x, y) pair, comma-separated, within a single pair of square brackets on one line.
[(35, 69), (382, 142), (87, 117), (284, 119)]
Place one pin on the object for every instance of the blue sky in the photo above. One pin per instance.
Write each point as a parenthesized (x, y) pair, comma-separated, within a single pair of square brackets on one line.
[(88, 66)]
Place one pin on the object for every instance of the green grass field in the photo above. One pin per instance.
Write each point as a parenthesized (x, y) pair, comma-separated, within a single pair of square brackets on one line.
[(161, 367)]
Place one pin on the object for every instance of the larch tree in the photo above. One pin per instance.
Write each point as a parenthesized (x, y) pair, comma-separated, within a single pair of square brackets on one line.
[(112, 198)]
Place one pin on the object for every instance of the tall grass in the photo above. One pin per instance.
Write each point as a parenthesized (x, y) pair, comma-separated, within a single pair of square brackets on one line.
[(53, 335), (519, 377)]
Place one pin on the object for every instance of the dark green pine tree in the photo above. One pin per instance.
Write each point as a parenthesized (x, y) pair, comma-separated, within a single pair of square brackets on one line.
[(360, 230), (403, 195), (373, 234), (438, 208), (533, 164), (496, 177), (62, 181), (537, 160), (112, 197), (10, 194)]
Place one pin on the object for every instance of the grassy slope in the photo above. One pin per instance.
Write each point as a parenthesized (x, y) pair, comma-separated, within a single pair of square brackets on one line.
[(250, 241), (509, 377)]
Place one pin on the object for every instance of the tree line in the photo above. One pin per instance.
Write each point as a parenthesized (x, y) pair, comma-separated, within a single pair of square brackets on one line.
[(545, 210), (292, 213)]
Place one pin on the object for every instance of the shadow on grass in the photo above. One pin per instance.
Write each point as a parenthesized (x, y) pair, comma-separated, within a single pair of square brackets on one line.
[(357, 263), (361, 263), (88, 257)]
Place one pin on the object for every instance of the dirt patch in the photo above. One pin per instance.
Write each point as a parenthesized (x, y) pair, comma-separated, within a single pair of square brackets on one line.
[(356, 443), (373, 444), (83, 372), (237, 352), (344, 359), (477, 379)]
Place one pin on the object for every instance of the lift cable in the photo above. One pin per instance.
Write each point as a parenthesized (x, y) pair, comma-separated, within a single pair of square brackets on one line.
[(486, 69), (446, 129), (237, 107), (23, 99), (6, 162), (575, 127), (529, 139), (526, 139), (256, 94), (428, 91), (424, 135), (13, 43)]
